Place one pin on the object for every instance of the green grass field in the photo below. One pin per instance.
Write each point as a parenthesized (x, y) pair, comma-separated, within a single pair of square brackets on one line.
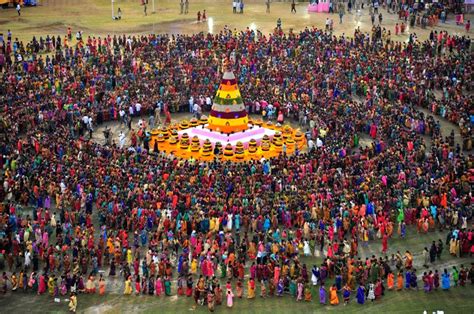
[(457, 300), (94, 17)]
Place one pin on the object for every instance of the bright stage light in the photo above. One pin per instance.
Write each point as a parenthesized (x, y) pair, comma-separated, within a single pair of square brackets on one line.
[(210, 25), (253, 27)]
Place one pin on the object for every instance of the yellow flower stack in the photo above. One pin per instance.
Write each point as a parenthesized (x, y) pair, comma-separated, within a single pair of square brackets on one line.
[(228, 152), (239, 151)]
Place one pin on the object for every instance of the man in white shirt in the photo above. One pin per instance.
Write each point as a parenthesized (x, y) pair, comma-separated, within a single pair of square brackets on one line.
[(208, 103), (121, 139), (27, 259), (191, 104), (319, 143), (122, 116), (62, 185), (158, 113), (196, 110), (6, 185), (85, 119), (138, 108)]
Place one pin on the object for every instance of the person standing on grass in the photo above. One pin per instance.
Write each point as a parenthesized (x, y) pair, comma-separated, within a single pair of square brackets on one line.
[(181, 6), (230, 298), (333, 298), (384, 243), (455, 274), (445, 281), (293, 6), (371, 293), (144, 8), (73, 303), (361, 294), (268, 6), (158, 113), (186, 6), (18, 9), (346, 293), (322, 295)]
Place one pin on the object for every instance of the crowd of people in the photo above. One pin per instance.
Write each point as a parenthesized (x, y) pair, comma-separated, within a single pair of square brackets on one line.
[(74, 209)]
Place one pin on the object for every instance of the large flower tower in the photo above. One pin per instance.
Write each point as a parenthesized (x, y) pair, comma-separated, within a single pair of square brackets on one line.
[(228, 114)]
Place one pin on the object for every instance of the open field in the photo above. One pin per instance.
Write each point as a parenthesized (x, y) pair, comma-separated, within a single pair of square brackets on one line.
[(94, 17)]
